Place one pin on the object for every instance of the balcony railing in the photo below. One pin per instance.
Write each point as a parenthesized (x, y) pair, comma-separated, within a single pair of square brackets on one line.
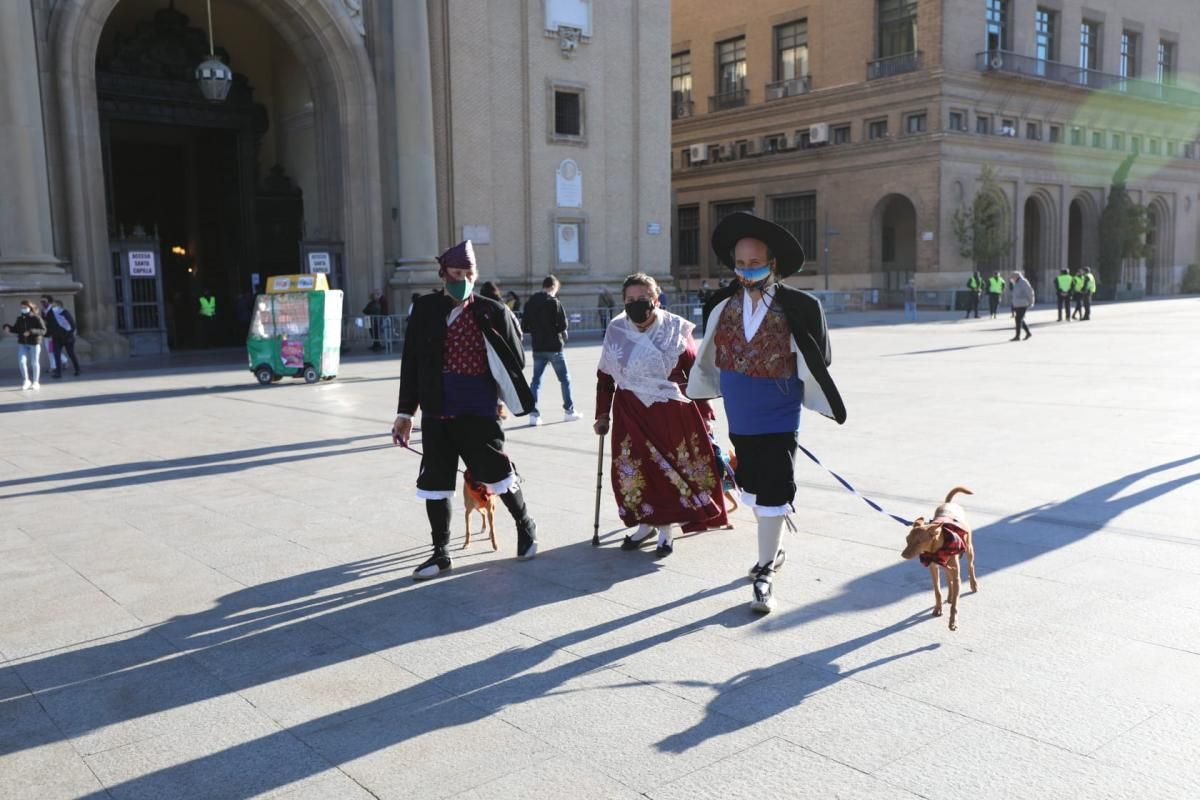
[(894, 65), (789, 88), (734, 99), (1002, 61), (683, 109)]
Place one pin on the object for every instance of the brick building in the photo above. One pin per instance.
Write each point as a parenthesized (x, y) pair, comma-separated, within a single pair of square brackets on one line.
[(872, 119)]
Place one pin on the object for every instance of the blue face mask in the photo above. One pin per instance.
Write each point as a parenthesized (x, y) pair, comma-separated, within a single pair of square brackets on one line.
[(753, 277), (460, 290)]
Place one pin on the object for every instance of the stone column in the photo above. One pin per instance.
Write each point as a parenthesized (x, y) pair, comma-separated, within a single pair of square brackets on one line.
[(416, 180)]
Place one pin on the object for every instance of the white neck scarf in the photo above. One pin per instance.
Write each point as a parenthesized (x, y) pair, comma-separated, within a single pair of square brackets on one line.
[(642, 362)]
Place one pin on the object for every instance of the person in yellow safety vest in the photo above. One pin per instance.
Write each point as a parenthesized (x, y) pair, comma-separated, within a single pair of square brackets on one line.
[(208, 317), (1063, 283), (974, 289), (1077, 284), (995, 289), (1089, 289)]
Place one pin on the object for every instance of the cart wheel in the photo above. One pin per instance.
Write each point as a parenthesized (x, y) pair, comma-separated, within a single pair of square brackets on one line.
[(264, 374), (310, 375)]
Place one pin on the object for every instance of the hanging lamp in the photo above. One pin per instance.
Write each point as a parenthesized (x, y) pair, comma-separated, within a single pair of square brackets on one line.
[(214, 77)]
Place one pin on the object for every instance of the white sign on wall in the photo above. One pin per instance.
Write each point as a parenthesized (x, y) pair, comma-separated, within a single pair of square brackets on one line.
[(569, 185), (927, 236), (478, 234), (143, 264), (572, 13), (568, 242), (319, 262)]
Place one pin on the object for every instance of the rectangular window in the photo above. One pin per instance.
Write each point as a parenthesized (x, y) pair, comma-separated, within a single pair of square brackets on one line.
[(1033, 131), (791, 50), (731, 66), (1089, 45), (798, 214), (841, 134), (1189, 150), (1130, 49), (1055, 134), (1046, 35), (958, 121), (897, 27), (804, 139), (1135, 144), (1155, 147), (1166, 62), (1008, 127), (997, 25), (688, 227), (877, 129), (1172, 149), (915, 123), (681, 85), (1118, 142), (1076, 135), (568, 113), (1098, 139), (983, 124), (722, 210)]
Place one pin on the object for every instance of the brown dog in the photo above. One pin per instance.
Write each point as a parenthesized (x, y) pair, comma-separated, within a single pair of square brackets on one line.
[(939, 544), (477, 497)]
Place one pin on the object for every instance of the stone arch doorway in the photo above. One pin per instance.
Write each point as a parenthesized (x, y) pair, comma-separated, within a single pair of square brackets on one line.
[(1040, 250), (344, 204), (1083, 233), (894, 240), (1160, 242)]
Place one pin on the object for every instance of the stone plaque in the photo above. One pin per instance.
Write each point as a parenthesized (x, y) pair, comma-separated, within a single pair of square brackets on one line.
[(569, 184)]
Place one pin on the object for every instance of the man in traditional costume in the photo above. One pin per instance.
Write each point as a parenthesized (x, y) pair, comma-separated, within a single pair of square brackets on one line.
[(766, 352), (462, 357), (665, 474)]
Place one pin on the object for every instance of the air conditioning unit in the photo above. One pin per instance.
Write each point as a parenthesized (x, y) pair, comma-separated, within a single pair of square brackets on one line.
[(996, 61), (776, 90), (699, 153), (819, 133)]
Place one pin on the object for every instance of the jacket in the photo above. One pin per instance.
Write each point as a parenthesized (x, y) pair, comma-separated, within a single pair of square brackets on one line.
[(55, 330), (546, 321), (1022, 294), (421, 365), (29, 328), (806, 319)]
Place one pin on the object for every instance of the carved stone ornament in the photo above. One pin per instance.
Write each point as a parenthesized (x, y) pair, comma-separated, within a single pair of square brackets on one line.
[(354, 9), (568, 40)]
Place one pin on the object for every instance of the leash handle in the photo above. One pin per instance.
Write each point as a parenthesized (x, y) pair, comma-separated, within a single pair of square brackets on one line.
[(846, 484)]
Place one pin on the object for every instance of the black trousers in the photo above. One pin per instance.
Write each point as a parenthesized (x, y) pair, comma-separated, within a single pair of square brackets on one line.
[(973, 304), (1078, 304), (478, 441), (65, 345), (766, 466), (1019, 313), (1087, 308), (993, 303), (1064, 305)]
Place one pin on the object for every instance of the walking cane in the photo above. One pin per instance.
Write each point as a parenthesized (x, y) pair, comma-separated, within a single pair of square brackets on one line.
[(599, 486)]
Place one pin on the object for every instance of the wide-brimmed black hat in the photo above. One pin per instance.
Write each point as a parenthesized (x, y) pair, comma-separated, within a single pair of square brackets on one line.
[(789, 255)]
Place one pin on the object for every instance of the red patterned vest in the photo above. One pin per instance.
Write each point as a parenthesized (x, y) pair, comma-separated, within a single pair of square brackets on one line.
[(768, 355), (465, 352)]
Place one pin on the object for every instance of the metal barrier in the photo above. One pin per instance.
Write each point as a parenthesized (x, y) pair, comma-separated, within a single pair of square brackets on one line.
[(363, 332)]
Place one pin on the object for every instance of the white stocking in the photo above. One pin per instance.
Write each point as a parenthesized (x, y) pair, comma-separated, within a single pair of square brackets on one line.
[(770, 536)]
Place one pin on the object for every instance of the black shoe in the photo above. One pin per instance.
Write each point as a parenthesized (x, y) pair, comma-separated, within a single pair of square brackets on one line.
[(665, 549), (1015, 339), (76, 373), (56, 375), (776, 565), (437, 564), (1028, 334), (764, 599), (630, 543), (527, 545)]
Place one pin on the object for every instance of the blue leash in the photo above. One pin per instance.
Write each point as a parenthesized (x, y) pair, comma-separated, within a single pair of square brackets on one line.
[(905, 522)]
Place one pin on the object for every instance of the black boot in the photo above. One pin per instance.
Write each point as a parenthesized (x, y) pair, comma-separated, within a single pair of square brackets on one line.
[(438, 512), (527, 544)]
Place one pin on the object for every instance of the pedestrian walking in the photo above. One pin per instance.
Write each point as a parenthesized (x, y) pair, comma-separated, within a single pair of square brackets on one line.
[(1089, 289), (910, 301), (47, 301), (995, 288), (491, 291), (604, 306), (207, 317), (1022, 301), (513, 302), (60, 327), (29, 329), (1078, 283), (974, 290), (373, 312), (767, 353), (462, 358), (1062, 286), (1012, 311), (665, 474), (546, 321)]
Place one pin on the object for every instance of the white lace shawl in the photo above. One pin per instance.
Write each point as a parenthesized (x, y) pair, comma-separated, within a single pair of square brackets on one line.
[(642, 362)]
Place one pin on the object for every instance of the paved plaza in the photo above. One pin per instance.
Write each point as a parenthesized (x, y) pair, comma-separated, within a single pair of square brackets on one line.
[(205, 591)]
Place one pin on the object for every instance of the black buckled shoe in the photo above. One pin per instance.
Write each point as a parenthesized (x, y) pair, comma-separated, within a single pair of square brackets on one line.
[(630, 543), (764, 599), (777, 564), (435, 565), (527, 544)]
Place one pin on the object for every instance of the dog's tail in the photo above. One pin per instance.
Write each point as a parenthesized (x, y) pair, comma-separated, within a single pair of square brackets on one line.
[(957, 490)]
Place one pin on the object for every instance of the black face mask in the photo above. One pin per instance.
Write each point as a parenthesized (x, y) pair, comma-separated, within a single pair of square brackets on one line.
[(638, 311)]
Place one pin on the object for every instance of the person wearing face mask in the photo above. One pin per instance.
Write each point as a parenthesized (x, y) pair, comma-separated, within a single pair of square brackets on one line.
[(462, 358), (766, 352), (665, 474), (29, 329), (60, 327)]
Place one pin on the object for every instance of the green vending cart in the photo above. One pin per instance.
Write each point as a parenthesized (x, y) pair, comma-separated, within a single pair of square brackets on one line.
[(296, 330)]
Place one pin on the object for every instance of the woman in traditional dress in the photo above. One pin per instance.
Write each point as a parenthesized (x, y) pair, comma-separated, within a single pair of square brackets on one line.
[(664, 471)]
